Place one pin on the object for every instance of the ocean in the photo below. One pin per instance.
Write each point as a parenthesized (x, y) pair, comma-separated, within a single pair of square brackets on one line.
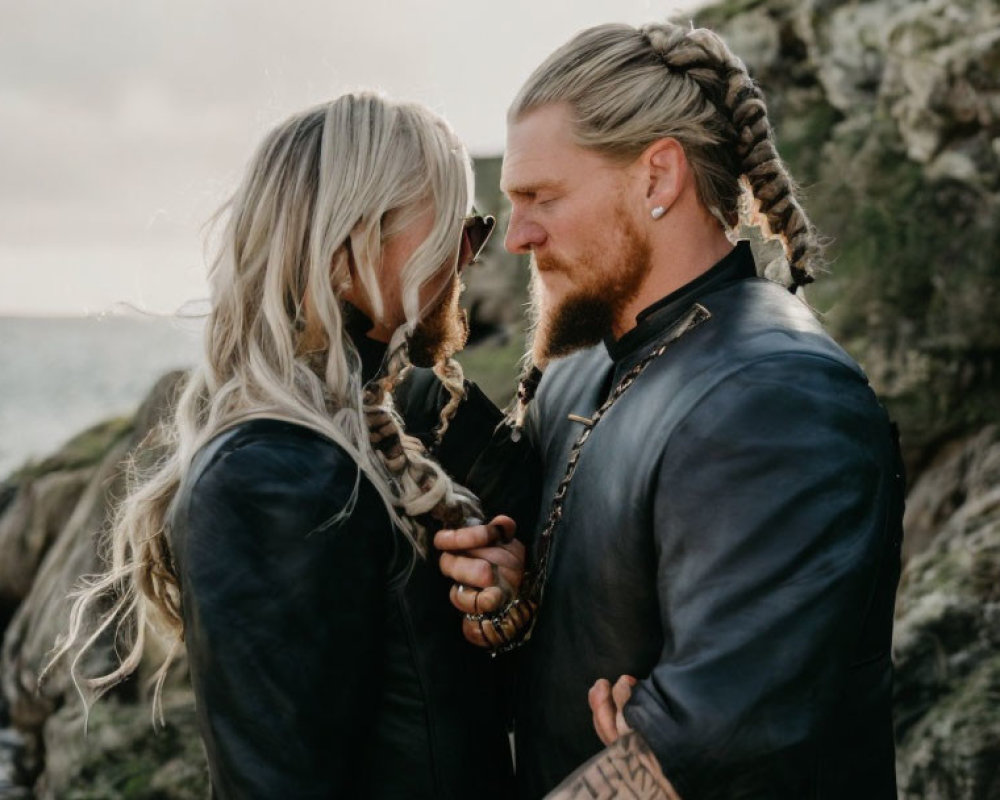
[(60, 375)]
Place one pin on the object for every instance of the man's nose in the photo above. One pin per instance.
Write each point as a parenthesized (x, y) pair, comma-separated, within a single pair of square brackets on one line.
[(523, 235)]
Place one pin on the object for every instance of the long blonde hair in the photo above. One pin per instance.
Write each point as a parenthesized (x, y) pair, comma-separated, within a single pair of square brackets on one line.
[(322, 193)]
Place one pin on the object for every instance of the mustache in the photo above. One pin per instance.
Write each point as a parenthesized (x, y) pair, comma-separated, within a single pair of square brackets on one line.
[(546, 263)]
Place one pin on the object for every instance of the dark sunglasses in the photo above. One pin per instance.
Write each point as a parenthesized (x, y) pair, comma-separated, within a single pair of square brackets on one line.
[(476, 232)]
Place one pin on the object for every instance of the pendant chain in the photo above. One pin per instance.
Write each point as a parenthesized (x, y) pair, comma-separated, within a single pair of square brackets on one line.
[(694, 317)]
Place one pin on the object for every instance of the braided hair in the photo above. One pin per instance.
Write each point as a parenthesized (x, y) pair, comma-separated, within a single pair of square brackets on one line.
[(628, 87), (422, 493)]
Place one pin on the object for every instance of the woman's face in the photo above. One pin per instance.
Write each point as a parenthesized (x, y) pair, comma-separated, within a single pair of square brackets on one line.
[(439, 291)]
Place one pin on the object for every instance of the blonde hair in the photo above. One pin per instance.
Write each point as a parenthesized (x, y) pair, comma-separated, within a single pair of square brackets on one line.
[(627, 87), (323, 192)]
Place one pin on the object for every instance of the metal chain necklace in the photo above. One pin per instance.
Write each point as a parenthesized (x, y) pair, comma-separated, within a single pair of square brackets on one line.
[(513, 626)]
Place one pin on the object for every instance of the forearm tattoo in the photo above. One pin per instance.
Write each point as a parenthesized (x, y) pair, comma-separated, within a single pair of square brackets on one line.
[(626, 769)]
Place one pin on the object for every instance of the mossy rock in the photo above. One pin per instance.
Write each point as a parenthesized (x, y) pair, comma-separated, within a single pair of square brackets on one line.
[(83, 450), (954, 752), (122, 756), (947, 654)]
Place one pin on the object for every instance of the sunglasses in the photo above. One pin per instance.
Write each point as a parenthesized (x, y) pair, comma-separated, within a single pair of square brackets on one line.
[(476, 232)]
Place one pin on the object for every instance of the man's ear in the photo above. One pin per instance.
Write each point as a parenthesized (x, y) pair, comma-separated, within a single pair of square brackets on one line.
[(665, 169)]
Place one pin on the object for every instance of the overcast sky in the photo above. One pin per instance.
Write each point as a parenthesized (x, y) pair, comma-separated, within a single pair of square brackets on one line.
[(125, 123)]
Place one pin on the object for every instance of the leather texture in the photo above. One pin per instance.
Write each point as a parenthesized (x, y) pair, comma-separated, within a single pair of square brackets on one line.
[(326, 659), (732, 539)]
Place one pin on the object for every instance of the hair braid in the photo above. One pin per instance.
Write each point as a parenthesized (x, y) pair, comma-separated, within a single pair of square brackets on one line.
[(527, 385), (702, 56), (422, 492), (449, 372)]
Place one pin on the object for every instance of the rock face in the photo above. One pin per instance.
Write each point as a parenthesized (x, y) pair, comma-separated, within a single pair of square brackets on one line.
[(49, 535), (888, 113), (947, 637)]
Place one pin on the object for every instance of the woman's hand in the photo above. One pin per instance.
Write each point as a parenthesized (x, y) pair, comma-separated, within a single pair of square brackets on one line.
[(487, 564)]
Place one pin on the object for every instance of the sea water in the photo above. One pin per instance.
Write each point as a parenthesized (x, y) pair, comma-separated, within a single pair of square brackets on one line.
[(60, 375)]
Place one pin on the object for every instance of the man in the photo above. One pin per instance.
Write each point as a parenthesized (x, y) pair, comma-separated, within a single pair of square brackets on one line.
[(722, 493)]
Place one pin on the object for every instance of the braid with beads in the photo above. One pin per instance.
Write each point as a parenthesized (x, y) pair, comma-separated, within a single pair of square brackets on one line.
[(527, 385), (703, 57), (423, 494)]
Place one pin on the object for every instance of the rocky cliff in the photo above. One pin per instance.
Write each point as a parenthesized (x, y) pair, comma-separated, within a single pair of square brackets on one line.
[(888, 112)]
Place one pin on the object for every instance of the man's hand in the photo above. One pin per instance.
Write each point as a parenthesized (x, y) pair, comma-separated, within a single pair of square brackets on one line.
[(606, 703), (626, 768), (487, 564)]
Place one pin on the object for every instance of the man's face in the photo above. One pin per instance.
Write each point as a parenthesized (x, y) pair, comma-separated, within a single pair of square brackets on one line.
[(571, 210)]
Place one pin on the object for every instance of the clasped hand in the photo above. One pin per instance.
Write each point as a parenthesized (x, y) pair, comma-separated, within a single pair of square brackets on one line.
[(486, 563), (607, 703)]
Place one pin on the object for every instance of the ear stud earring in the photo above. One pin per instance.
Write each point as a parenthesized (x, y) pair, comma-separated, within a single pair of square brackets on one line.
[(657, 212)]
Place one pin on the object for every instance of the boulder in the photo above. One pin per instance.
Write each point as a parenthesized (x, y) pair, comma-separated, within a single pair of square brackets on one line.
[(947, 637), (43, 712), (123, 755), (888, 114)]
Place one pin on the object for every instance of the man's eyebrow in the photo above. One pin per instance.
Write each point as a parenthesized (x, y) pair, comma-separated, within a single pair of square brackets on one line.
[(531, 189)]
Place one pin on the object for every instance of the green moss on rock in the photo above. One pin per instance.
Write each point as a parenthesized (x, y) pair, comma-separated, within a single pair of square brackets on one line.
[(83, 450), (124, 758)]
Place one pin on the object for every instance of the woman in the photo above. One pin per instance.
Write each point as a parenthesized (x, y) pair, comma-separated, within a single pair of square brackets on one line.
[(283, 538)]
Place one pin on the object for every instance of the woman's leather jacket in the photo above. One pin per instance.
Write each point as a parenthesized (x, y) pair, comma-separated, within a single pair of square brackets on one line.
[(325, 656)]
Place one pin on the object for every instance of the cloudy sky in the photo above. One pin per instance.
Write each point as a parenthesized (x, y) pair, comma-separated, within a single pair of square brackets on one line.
[(124, 123)]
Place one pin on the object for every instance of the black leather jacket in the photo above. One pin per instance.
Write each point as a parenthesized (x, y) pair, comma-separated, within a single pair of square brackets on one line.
[(731, 538), (326, 659)]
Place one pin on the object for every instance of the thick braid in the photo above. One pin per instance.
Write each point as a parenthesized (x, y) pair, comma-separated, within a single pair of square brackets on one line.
[(703, 57), (423, 493), (426, 492)]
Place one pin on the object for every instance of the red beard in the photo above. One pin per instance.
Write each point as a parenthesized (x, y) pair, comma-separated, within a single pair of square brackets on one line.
[(604, 285), (442, 332)]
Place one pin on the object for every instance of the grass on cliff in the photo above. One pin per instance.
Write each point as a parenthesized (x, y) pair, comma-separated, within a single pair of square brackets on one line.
[(494, 367), (83, 450)]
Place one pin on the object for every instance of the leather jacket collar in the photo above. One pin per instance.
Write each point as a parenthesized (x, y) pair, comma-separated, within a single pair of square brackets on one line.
[(737, 265)]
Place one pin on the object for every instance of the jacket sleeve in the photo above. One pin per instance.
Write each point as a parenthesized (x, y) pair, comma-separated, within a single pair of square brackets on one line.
[(283, 581), (776, 520)]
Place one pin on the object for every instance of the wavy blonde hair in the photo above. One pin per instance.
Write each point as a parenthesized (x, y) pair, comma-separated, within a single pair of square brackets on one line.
[(322, 194)]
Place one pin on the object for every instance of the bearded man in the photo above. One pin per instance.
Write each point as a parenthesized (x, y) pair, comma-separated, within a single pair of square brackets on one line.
[(724, 492)]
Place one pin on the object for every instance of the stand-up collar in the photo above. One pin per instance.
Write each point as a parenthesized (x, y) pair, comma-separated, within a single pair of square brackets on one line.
[(372, 351), (737, 265)]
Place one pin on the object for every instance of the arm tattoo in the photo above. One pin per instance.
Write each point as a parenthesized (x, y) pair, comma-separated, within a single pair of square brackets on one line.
[(626, 769)]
